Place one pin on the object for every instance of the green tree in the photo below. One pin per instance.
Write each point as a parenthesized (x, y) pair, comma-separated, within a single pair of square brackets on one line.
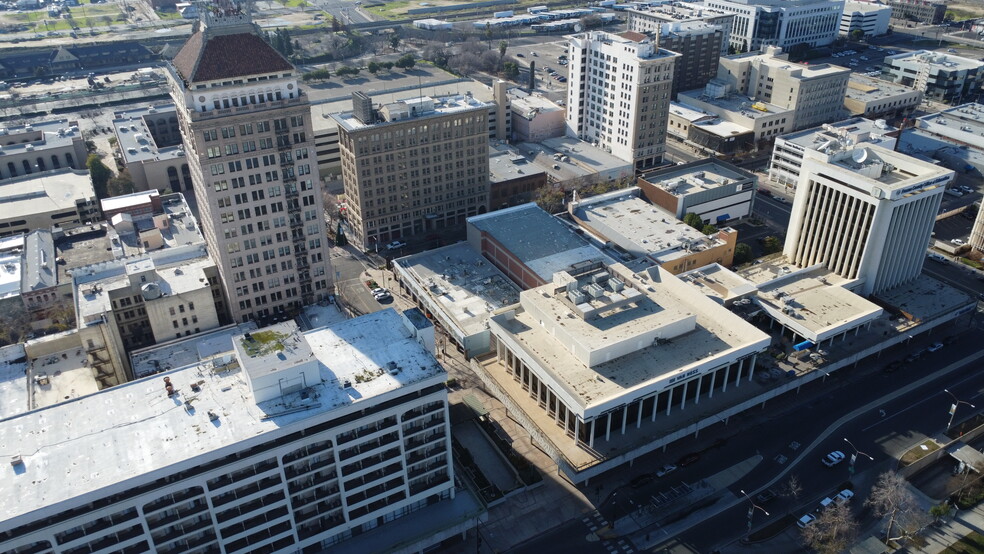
[(708, 229), (857, 35), (771, 244), (406, 61), (532, 83), (120, 184), (502, 49), (335, 25), (373, 67), (100, 175), (693, 220), (386, 65), (550, 198), (939, 511), (395, 41), (340, 239), (743, 253), (317, 75), (510, 70)]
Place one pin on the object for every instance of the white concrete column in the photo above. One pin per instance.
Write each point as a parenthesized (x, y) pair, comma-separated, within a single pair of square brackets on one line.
[(625, 417), (741, 365), (591, 435), (752, 369), (669, 399), (577, 430), (697, 396), (727, 374), (655, 405), (856, 330), (608, 427), (710, 393), (683, 398), (639, 415)]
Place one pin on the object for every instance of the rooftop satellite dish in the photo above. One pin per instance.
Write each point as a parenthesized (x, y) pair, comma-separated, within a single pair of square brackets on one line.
[(859, 155)]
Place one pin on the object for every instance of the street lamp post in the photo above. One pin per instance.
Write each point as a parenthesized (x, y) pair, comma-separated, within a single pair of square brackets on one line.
[(854, 457), (953, 407), (751, 510)]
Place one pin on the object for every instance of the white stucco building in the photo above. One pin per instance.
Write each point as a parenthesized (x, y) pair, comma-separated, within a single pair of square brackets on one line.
[(281, 442), (868, 17), (866, 213), (619, 94), (782, 23)]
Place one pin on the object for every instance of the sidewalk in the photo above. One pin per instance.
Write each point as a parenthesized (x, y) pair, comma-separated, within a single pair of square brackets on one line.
[(962, 524)]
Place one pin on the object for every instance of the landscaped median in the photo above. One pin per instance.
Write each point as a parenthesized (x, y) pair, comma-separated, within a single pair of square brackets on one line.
[(918, 452)]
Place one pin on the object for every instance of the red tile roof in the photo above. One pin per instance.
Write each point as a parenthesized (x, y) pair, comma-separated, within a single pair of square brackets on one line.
[(633, 36), (226, 57)]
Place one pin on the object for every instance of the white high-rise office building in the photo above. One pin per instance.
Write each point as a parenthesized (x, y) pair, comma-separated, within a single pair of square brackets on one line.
[(782, 23), (866, 214), (619, 94)]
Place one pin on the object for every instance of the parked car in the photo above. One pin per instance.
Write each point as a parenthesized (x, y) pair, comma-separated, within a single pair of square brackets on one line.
[(844, 496), (893, 366), (665, 470), (958, 242), (688, 459), (806, 521), (834, 458), (935, 346), (395, 245), (641, 480), (914, 356)]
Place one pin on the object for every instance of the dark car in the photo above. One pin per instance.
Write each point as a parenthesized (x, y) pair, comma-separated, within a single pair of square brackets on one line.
[(914, 356), (641, 480), (688, 459), (893, 366), (765, 496)]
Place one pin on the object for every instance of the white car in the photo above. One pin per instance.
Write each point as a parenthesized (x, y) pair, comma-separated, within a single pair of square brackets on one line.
[(844, 496), (395, 245), (834, 458), (958, 242), (666, 470), (806, 520), (935, 347)]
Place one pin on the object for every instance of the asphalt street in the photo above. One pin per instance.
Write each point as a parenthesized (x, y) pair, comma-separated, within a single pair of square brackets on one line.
[(792, 423)]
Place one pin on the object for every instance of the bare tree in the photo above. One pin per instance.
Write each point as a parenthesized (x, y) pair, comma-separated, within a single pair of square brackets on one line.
[(891, 497), (792, 488), (834, 530)]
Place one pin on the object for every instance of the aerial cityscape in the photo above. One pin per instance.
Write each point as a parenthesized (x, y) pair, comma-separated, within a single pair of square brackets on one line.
[(369, 276)]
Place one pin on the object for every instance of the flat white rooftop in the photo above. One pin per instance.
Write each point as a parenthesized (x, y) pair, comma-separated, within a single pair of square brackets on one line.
[(462, 283), (832, 136), (871, 89), (13, 381), (10, 275), (442, 106), (639, 227), (657, 329), (689, 113), (694, 177), (936, 61), (814, 305), (717, 281), (53, 191), (136, 141), (97, 441)]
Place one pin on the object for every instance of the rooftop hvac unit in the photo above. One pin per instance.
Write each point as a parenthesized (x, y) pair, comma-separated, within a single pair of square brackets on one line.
[(616, 284), (595, 290), (577, 297), (598, 277)]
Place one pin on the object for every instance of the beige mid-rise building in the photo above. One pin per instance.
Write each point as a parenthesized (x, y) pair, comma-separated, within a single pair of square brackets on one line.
[(413, 166), (814, 92), (249, 144), (619, 94)]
